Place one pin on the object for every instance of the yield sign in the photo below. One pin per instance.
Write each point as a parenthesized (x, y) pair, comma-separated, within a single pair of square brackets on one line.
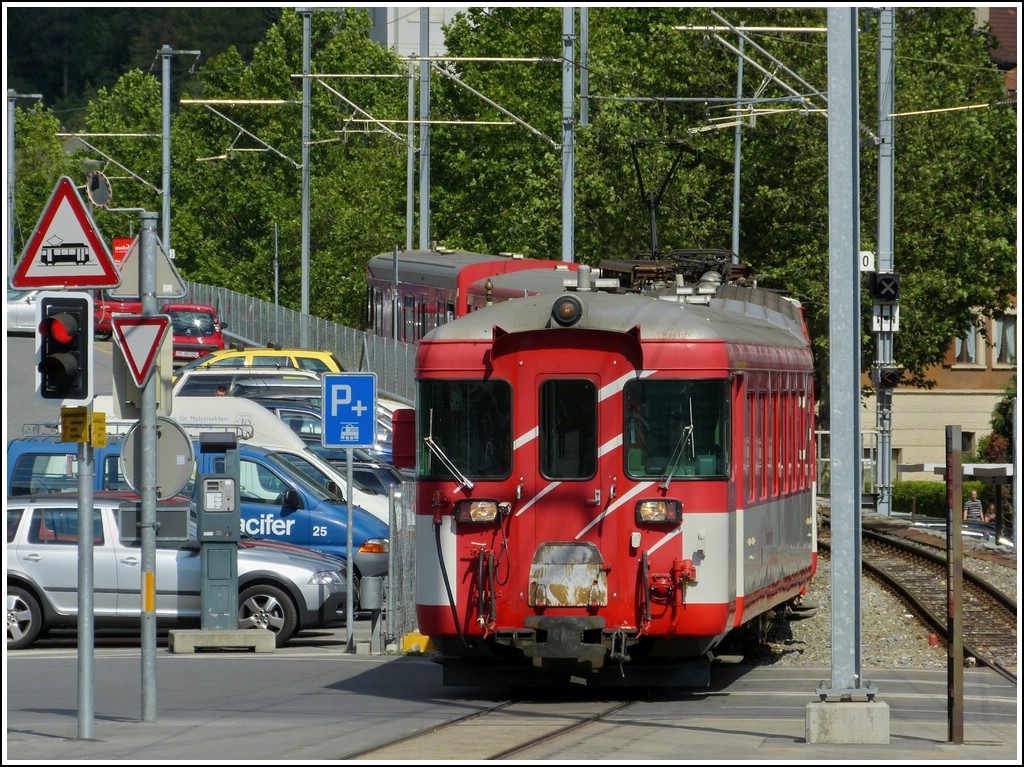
[(65, 250), (139, 339)]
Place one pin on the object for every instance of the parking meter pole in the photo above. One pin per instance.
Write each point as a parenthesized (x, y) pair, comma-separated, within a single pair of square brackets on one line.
[(148, 489), (86, 624), (349, 556)]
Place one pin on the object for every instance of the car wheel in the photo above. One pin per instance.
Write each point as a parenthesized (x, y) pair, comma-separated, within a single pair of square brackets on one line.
[(268, 607), (24, 618)]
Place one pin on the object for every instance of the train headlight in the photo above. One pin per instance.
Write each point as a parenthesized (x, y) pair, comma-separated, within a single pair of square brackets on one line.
[(477, 512), (660, 511), (567, 310)]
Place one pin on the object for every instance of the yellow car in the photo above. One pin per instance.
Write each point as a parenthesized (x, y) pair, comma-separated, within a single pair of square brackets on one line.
[(301, 359)]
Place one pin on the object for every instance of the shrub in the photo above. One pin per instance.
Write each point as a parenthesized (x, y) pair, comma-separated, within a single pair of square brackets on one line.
[(928, 499)]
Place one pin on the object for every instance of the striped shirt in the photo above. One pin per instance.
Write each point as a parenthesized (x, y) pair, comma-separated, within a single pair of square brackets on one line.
[(972, 509)]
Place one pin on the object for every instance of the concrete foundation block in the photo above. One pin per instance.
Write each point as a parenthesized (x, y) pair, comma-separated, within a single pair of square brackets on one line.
[(184, 641), (847, 721)]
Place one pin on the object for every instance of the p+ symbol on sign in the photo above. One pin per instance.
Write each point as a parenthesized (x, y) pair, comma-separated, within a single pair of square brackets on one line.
[(349, 409)]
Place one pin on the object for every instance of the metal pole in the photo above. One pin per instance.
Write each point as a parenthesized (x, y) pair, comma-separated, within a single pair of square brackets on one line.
[(886, 175), (11, 95), (277, 267), (165, 230), (954, 586), (584, 67), (736, 158), (844, 349), (349, 556), (148, 489), (11, 115), (410, 159), (425, 130), (86, 621), (568, 145), (304, 329)]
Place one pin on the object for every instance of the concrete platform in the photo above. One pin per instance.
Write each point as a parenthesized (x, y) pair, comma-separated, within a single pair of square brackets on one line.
[(189, 640)]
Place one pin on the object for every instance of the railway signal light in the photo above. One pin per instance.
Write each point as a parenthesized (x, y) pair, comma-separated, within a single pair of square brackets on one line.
[(884, 287), (886, 376), (64, 341)]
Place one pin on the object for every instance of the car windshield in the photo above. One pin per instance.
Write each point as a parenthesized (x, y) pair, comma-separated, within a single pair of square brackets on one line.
[(191, 323)]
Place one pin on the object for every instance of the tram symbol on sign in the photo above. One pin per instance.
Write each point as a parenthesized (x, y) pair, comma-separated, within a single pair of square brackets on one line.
[(349, 432), (64, 253)]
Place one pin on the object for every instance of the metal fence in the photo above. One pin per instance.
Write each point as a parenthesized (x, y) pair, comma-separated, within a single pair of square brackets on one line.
[(259, 323), (256, 322)]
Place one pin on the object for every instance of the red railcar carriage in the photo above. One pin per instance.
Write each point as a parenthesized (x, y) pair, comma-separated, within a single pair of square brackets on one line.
[(611, 486)]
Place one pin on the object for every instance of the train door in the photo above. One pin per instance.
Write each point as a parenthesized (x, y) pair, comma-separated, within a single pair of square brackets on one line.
[(568, 456)]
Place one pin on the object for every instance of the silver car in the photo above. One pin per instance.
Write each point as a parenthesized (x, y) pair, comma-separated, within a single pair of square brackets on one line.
[(21, 311), (281, 587)]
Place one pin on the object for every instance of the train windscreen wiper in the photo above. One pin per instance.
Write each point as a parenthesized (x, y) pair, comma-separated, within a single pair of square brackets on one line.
[(679, 451), (436, 449)]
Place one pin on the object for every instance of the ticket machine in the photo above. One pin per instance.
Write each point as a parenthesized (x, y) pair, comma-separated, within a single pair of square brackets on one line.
[(218, 526)]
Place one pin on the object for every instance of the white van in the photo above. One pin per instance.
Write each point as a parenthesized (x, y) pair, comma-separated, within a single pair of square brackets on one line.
[(256, 425)]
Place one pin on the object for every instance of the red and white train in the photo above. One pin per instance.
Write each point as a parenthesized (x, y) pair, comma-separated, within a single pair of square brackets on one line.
[(423, 289), (610, 487)]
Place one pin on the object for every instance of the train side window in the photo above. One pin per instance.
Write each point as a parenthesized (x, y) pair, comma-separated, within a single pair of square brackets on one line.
[(568, 429)]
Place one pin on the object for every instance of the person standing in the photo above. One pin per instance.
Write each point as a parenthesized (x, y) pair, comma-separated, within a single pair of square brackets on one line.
[(972, 507)]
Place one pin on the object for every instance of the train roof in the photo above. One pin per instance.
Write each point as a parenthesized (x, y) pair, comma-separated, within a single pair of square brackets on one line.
[(528, 281), (734, 314), (441, 268)]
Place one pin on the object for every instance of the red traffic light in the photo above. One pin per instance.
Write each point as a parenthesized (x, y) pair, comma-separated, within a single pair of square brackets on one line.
[(64, 347), (62, 328)]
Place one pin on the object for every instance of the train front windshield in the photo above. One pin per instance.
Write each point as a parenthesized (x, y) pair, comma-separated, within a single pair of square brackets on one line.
[(676, 428), (467, 429)]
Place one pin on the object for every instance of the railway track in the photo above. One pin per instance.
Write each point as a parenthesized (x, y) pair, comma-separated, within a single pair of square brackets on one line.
[(502, 731), (918, 577)]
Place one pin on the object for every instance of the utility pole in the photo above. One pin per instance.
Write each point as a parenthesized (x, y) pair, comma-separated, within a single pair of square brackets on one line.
[(11, 96), (165, 54), (425, 129), (568, 137)]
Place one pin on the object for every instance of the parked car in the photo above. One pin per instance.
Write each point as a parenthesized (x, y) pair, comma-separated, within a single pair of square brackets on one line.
[(305, 418), (203, 382), (21, 311), (285, 589), (105, 307), (277, 500), (196, 331), (270, 357)]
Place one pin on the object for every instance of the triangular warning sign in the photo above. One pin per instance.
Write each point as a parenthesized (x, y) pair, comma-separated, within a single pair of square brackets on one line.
[(139, 339), (168, 282), (66, 249)]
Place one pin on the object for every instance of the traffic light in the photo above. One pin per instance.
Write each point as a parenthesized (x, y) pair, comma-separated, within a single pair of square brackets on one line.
[(884, 287), (886, 376), (64, 338)]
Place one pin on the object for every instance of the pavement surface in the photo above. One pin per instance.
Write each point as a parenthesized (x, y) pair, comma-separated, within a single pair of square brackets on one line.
[(320, 699)]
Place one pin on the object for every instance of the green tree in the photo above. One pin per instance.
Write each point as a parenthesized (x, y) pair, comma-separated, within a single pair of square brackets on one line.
[(39, 163), (955, 171)]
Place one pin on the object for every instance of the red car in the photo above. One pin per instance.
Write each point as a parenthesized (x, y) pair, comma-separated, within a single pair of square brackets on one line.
[(104, 308), (196, 329)]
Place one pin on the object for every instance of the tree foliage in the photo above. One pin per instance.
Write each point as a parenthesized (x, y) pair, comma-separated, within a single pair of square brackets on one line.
[(660, 93)]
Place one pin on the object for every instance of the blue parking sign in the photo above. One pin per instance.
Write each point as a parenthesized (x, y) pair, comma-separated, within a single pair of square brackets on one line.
[(349, 409)]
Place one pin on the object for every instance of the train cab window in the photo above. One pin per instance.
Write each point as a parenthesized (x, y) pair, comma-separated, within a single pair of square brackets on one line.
[(568, 429), (467, 428), (675, 428)]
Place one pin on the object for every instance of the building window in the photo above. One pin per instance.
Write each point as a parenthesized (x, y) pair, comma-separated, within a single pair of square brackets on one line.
[(967, 346), (967, 441), (1004, 332)]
